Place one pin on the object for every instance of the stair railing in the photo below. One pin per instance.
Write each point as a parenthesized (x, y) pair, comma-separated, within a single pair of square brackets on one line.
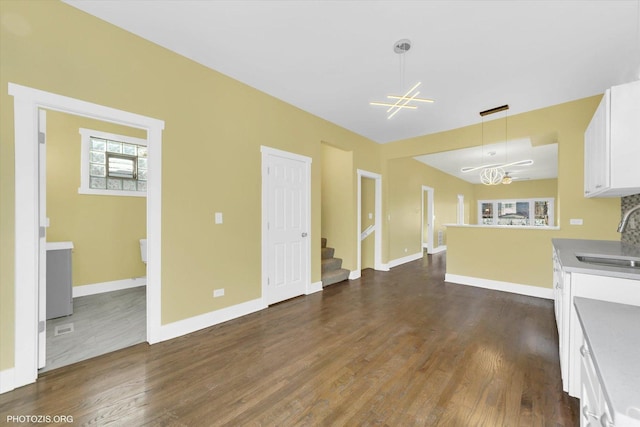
[(370, 229)]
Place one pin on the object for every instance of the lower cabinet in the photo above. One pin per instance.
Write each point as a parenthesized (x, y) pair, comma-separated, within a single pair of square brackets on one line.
[(562, 301), (568, 285), (612, 289), (594, 410)]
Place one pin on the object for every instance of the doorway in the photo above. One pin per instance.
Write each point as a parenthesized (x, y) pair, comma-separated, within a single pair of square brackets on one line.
[(103, 220), (29, 220), (374, 228), (428, 218)]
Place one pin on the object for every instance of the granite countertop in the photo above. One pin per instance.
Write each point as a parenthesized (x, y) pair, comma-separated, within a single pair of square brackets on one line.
[(612, 332), (567, 249)]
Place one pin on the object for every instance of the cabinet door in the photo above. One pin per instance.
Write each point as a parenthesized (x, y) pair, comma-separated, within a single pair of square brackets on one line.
[(596, 150), (625, 136), (612, 289)]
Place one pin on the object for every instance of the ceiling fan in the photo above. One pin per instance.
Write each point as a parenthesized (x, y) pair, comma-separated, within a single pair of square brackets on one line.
[(508, 179)]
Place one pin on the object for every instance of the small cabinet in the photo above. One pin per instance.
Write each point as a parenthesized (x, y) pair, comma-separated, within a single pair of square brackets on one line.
[(603, 288), (59, 282), (594, 410), (562, 302), (612, 144)]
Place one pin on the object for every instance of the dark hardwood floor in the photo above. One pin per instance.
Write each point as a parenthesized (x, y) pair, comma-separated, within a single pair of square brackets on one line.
[(396, 348)]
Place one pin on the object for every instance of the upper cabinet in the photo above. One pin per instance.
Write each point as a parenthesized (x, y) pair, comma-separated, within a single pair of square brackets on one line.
[(612, 144)]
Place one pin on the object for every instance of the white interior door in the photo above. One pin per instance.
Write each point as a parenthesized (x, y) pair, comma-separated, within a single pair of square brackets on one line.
[(286, 191), (42, 238)]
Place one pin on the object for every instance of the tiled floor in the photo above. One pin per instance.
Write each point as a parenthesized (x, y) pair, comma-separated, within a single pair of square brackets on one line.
[(101, 324)]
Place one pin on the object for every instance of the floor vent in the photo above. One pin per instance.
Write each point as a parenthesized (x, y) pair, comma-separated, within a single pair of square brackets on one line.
[(63, 329)]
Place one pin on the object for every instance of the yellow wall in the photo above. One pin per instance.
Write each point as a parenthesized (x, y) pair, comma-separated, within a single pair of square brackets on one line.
[(337, 207), (405, 178), (506, 255), (105, 230), (211, 159), (467, 252), (368, 193)]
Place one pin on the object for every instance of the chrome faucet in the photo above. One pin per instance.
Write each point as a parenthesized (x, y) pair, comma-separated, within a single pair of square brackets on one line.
[(625, 218)]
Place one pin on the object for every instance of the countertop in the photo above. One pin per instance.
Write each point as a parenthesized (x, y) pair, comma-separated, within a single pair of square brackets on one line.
[(612, 332), (55, 246), (568, 248)]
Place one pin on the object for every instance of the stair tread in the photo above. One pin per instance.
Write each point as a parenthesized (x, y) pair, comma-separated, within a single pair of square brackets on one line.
[(335, 276)]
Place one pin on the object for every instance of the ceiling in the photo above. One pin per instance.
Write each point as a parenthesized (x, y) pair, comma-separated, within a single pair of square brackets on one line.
[(331, 58), (545, 160)]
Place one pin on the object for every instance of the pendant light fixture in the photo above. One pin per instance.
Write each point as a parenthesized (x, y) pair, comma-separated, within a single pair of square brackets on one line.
[(402, 102), (493, 174)]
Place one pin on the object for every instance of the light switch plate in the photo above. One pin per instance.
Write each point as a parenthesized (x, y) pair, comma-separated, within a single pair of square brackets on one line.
[(575, 221), (218, 217)]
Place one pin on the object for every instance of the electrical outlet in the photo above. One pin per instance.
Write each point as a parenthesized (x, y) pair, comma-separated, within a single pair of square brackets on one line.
[(218, 293), (575, 221)]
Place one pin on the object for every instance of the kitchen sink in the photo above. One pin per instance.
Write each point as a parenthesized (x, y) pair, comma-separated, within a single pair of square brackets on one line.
[(611, 261)]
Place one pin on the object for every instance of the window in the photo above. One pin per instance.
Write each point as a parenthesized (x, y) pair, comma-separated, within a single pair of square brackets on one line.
[(114, 165), (516, 212)]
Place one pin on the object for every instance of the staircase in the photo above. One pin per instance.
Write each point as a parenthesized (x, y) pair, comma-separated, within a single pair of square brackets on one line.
[(332, 271)]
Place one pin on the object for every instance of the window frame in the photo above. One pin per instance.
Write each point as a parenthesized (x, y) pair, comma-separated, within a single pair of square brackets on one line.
[(85, 141), (532, 213)]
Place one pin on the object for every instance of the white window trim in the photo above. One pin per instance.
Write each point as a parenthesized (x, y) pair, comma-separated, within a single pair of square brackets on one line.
[(84, 162), (550, 200)]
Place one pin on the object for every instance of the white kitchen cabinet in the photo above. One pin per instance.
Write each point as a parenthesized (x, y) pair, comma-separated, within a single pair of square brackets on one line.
[(612, 289), (562, 302), (612, 144), (594, 410)]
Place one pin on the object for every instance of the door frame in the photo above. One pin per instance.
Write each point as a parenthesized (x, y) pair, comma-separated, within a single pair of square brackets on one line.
[(266, 152), (26, 103), (377, 254), (429, 191)]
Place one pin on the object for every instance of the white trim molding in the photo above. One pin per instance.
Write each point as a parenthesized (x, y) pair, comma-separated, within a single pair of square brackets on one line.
[(377, 237), (192, 324), (437, 249), (399, 261), (6, 380), (355, 274), (514, 288), (27, 102), (313, 288), (101, 288)]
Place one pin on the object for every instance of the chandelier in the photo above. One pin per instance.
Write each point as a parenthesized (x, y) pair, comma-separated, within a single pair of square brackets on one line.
[(406, 101)]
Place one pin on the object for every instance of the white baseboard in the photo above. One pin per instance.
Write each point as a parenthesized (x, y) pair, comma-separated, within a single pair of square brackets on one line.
[(355, 274), (404, 260), (515, 288), (116, 285), (439, 249), (313, 288), (192, 324), (7, 380)]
